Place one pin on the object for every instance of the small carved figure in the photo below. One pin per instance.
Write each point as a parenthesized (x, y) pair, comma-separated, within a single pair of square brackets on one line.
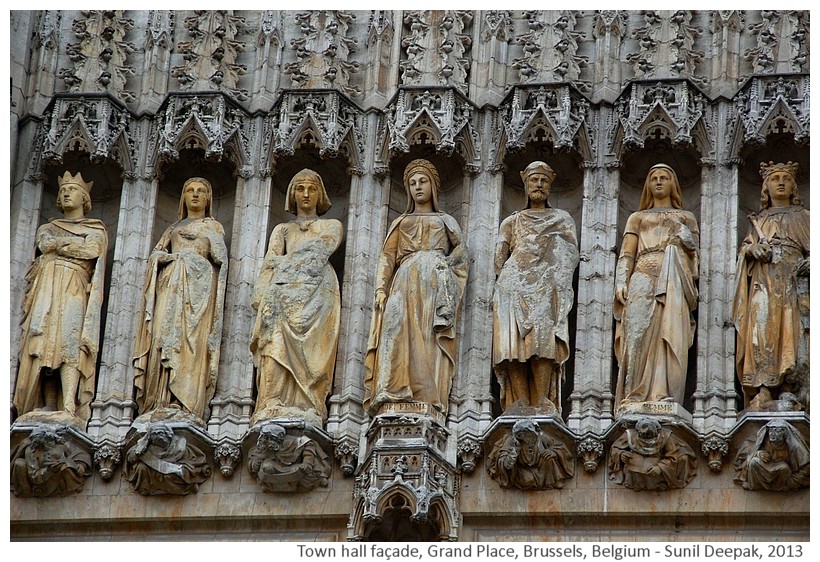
[(771, 298), (162, 462), (46, 464), (535, 258), (179, 333), (420, 280), (285, 463), (528, 459), (61, 310), (297, 301), (655, 294), (650, 457), (777, 460)]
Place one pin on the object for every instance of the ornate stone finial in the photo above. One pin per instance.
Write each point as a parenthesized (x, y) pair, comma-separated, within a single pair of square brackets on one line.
[(107, 457), (767, 169), (227, 455), (347, 453), (469, 451), (67, 178), (716, 449), (591, 450)]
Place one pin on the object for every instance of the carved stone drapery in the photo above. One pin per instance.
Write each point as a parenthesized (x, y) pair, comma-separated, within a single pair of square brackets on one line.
[(100, 58), (406, 469), (49, 460), (555, 113), (210, 122), (550, 49), (324, 51), (436, 116), (210, 56), (290, 459), (767, 105), (95, 124), (776, 458), (673, 110), (321, 119), (437, 47)]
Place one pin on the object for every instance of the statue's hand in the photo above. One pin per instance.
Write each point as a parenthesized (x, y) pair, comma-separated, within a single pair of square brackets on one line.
[(381, 296), (626, 456), (654, 471), (621, 293), (761, 252)]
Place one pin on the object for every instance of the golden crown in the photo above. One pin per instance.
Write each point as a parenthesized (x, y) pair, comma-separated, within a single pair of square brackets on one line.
[(768, 169), (67, 178)]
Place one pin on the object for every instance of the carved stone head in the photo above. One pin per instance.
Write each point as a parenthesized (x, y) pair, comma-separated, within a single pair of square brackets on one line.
[(307, 175), (647, 198), (425, 167), (773, 174), (67, 182)]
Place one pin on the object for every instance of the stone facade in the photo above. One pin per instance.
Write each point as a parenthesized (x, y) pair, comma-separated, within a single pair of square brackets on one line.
[(139, 101)]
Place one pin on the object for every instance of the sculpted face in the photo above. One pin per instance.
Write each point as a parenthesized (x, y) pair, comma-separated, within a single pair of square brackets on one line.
[(777, 435), (538, 187), (196, 197), (660, 182), (71, 196), (162, 437), (421, 188), (306, 193), (781, 185)]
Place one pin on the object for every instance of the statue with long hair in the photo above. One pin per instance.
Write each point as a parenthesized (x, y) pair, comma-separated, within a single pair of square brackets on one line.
[(180, 327), (420, 281), (655, 294), (297, 302)]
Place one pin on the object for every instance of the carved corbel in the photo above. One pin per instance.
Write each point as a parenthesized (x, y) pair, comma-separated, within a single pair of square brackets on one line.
[(227, 455), (591, 450), (715, 449), (107, 457)]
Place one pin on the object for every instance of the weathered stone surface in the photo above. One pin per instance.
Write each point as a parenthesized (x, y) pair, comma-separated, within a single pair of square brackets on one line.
[(287, 463), (49, 462), (297, 300), (777, 459)]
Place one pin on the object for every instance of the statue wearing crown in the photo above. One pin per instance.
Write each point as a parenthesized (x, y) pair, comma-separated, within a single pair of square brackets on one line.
[(61, 309), (771, 305)]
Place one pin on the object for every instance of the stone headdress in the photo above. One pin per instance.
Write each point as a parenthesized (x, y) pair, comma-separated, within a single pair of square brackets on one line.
[(426, 167), (323, 203)]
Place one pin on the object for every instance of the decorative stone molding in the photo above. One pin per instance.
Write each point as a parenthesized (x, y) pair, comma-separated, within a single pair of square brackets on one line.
[(160, 32), (210, 56), (556, 113), (441, 117), (590, 450), (469, 453), (437, 48), (227, 455), (107, 457), (666, 46), (100, 58), (406, 471), (670, 109), (48, 26), (48, 460), (324, 120), (781, 39), (550, 49), (95, 124), (768, 105), (210, 122), (347, 452), (715, 448), (324, 51)]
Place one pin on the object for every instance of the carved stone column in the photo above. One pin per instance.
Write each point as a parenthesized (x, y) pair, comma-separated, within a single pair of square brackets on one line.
[(232, 405), (608, 30), (43, 63), (492, 56), (591, 399), (156, 66), (366, 225), (113, 408), (268, 59), (715, 398), (726, 28)]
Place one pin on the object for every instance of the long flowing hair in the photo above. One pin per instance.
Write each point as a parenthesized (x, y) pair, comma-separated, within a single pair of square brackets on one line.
[(648, 200), (182, 212)]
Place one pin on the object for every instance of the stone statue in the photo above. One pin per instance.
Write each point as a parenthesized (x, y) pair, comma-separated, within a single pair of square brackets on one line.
[(655, 295), (771, 298), (285, 463), (420, 280), (47, 464), (61, 310), (297, 302), (528, 459), (777, 460), (177, 347), (650, 457), (162, 462), (535, 258)]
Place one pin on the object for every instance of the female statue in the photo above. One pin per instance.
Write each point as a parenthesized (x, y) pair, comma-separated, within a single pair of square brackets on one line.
[(297, 302), (655, 294), (177, 347), (62, 307), (420, 280), (771, 298)]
